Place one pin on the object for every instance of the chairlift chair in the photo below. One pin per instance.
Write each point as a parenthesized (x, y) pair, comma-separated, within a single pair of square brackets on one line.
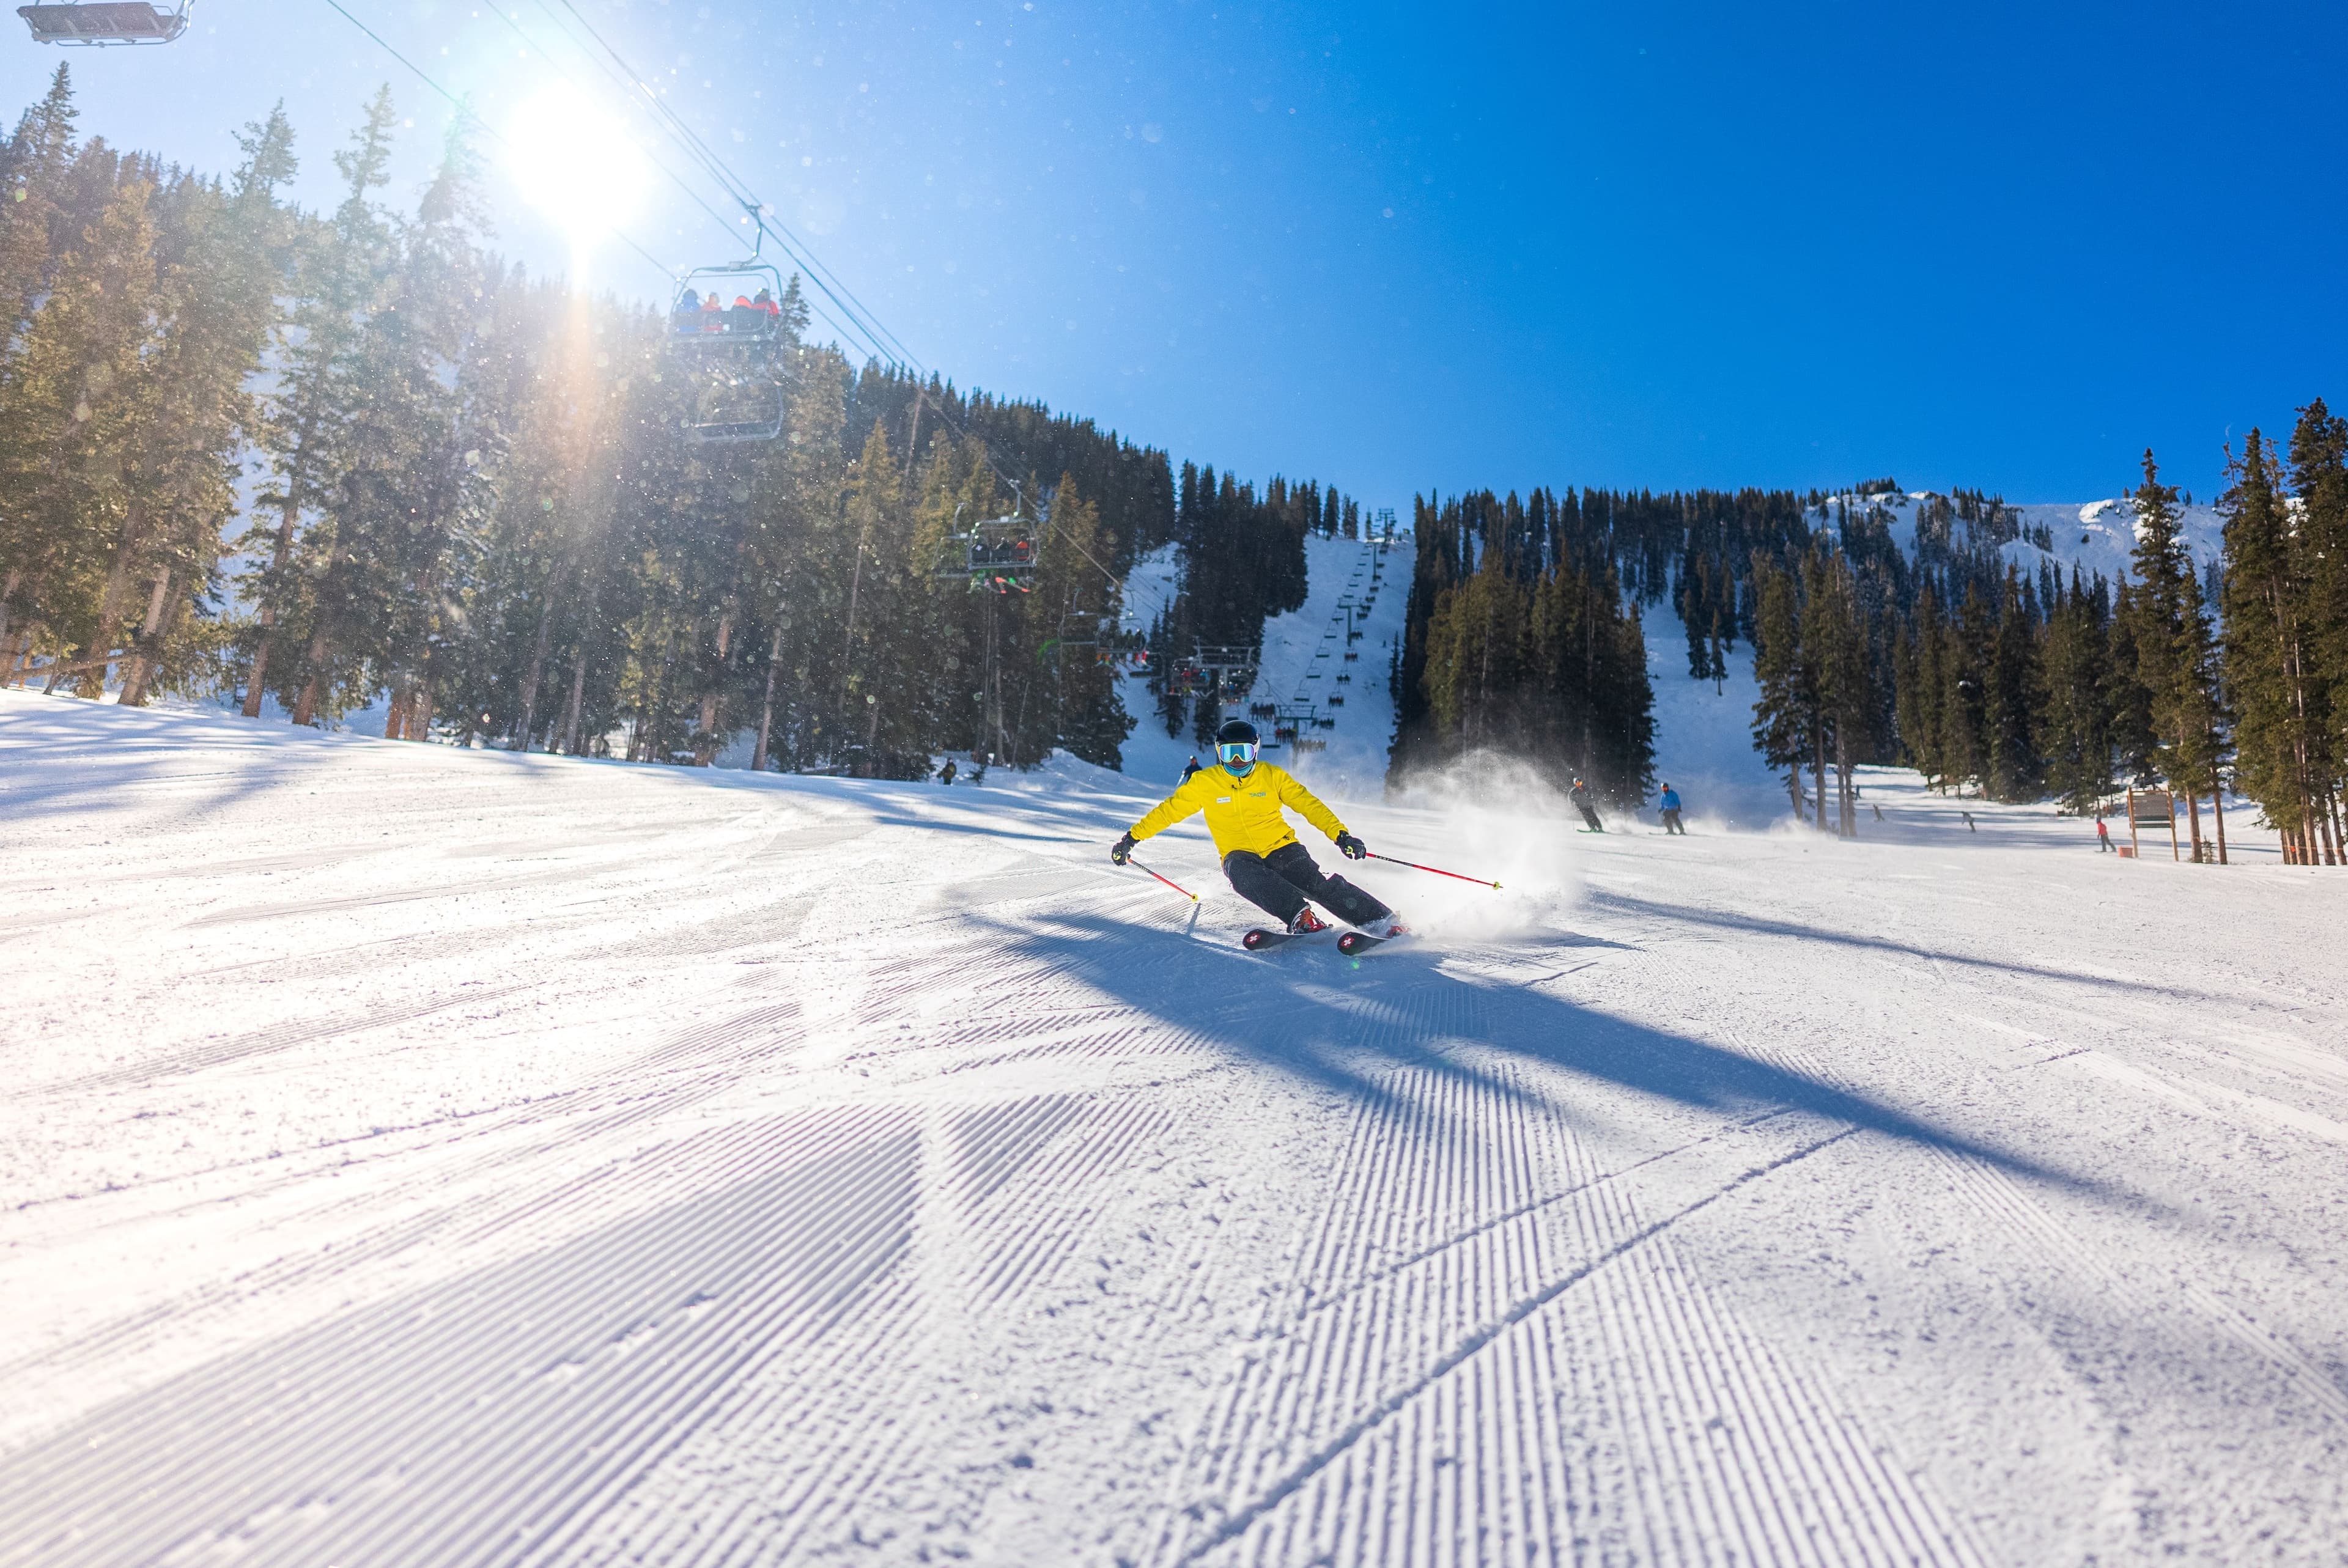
[(96, 24), (732, 351), (998, 553), (697, 326)]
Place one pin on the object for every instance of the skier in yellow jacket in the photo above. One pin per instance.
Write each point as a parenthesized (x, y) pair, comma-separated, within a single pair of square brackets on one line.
[(1267, 866)]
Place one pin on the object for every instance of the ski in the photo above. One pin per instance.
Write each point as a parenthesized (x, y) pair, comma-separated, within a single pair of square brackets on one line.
[(1354, 942), (1260, 939)]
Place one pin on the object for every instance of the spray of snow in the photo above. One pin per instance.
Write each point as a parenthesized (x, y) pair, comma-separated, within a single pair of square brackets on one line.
[(1491, 814)]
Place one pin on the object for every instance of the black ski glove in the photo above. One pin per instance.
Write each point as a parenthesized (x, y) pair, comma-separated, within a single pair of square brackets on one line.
[(1352, 849), (1118, 851)]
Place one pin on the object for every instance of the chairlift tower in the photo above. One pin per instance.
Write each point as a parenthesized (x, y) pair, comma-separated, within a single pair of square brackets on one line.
[(1227, 669)]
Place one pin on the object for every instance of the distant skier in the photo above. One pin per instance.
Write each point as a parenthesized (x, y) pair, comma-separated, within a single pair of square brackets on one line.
[(2102, 836), (1267, 866), (1968, 820), (1189, 768), (1876, 809), (946, 774), (1669, 803), (1585, 803)]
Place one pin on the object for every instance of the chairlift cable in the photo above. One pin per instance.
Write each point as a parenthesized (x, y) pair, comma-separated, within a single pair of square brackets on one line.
[(821, 276), (467, 111), (694, 148), (662, 164), (876, 336)]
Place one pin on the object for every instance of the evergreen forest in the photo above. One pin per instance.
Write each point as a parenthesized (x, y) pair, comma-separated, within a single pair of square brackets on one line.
[(1523, 635), (334, 459)]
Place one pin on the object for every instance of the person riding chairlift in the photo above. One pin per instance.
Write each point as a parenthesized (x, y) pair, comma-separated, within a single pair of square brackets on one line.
[(688, 312), (713, 312), (765, 301)]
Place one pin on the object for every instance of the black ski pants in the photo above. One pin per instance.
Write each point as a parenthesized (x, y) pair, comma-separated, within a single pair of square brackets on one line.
[(1671, 823), (1590, 816), (1279, 883)]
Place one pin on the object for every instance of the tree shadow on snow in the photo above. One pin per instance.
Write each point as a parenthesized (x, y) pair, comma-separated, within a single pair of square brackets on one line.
[(1348, 1025), (1621, 903)]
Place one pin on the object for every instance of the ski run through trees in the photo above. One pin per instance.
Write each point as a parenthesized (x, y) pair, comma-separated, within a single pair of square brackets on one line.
[(488, 1158)]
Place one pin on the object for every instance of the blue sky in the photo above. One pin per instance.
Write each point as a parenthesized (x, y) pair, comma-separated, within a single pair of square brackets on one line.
[(1403, 248)]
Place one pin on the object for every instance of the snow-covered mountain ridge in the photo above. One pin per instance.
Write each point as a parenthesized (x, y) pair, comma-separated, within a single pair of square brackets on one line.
[(2095, 537)]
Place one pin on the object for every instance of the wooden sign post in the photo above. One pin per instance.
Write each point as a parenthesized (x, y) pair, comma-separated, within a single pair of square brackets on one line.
[(2156, 808)]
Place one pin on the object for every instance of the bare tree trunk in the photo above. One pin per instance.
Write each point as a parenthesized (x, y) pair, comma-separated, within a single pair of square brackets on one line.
[(578, 693), (1818, 767), (420, 710), (537, 662), (141, 670), (2193, 813), (705, 749), (256, 683), (109, 601), (766, 711), (305, 706), (2218, 810), (395, 723), (1846, 826)]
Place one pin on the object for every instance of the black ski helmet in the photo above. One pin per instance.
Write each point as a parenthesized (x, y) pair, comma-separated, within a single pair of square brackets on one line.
[(1235, 731)]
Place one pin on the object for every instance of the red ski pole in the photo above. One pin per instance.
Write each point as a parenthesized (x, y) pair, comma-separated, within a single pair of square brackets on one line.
[(1176, 885), (1414, 866)]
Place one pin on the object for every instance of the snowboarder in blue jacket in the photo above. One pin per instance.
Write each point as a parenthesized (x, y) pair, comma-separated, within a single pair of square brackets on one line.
[(1670, 806)]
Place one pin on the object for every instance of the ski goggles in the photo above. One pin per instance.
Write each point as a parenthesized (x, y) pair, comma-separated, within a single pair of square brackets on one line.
[(1236, 754)]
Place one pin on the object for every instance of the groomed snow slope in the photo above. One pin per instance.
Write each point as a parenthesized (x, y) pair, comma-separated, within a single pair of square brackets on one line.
[(427, 1157)]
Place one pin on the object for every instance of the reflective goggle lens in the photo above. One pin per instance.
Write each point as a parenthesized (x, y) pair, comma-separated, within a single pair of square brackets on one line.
[(1237, 752)]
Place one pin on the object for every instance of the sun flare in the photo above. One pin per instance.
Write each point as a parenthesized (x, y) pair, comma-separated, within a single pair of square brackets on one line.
[(574, 160)]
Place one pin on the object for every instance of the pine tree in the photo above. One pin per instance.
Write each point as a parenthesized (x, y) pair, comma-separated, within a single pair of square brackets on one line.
[(1916, 685), (2010, 698), (2281, 743), (2319, 473), (1695, 613), (1783, 718), (1824, 631), (2076, 657), (217, 300), (35, 205), (73, 400), (2176, 654), (1964, 673), (343, 271)]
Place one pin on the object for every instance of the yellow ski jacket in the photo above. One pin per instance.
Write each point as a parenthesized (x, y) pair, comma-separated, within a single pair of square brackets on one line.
[(1242, 814)]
